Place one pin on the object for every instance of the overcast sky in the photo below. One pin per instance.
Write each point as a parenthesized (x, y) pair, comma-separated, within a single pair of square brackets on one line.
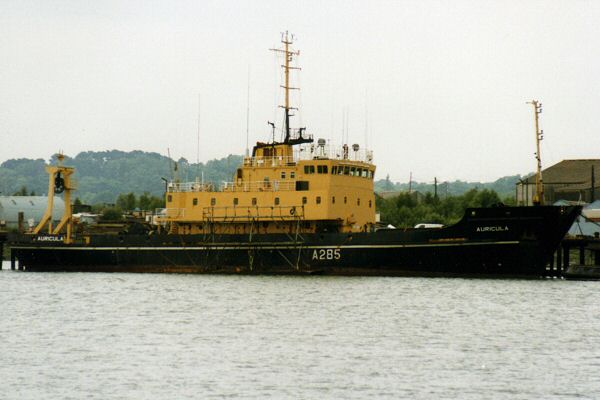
[(438, 88)]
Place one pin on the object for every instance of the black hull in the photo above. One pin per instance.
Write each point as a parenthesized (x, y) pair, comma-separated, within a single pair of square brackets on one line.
[(495, 242)]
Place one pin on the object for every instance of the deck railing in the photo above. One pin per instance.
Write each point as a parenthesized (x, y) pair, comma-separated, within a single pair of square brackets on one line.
[(333, 152), (190, 187), (312, 152), (248, 213), (258, 186), (277, 161)]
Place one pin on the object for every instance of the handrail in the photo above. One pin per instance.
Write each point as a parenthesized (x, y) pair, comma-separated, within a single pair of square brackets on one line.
[(312, 152), (258, 186), (189, 187), (254, 186), (246, 213), (275, 161)]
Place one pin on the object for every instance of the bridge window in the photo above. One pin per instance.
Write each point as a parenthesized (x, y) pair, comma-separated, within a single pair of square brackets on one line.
[(195, 202), (353, 171), (346, 170), (309, 169), (334, 170), (370, 174), (301, 185), (322, 169)]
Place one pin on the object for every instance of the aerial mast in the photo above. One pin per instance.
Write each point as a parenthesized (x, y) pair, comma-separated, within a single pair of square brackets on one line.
[(538, 199), (287, 40)]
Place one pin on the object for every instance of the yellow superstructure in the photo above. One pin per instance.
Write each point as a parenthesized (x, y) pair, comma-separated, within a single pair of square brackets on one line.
[(275, 191), (290, 186)]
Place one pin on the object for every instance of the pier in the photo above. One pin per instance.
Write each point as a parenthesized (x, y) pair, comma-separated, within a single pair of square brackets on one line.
[(2, 241), (579, 258)]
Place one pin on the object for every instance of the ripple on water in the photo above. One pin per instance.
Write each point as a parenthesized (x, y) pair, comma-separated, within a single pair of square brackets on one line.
[(184, 336)]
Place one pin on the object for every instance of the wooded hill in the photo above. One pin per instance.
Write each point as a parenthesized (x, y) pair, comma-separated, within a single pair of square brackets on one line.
[(103, 175), (504, 187)]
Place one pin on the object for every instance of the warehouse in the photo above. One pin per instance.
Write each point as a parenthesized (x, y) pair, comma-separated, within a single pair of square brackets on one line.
[(32, 207), (572, 180)]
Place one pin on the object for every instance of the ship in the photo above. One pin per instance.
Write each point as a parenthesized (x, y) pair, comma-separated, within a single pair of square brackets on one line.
[(300, 207)]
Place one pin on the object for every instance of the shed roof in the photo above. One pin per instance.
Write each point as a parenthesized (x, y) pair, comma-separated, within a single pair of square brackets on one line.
[(572, 172), (31, 206), (27, 202)]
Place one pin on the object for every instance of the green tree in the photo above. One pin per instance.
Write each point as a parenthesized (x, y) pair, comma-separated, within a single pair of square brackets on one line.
[(111, 214), (127, 201), (21, 192), (406, 210), (144, 201)]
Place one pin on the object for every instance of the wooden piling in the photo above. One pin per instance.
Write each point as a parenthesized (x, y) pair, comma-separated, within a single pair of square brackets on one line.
[(21, 223), (566, 251), (559, 253)]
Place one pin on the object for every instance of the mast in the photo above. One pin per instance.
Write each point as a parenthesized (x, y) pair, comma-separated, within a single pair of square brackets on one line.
[(288, 54), (248, 114), (538, 199), (198, 140)]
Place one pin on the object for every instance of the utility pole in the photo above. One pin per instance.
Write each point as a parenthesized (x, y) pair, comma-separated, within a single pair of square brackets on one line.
[(538, 199), (593, 190)]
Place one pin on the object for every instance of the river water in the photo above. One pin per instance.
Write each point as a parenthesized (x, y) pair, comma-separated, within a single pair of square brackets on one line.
[(136, 336)]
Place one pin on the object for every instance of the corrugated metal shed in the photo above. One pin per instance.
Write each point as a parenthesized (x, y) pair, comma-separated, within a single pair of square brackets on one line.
[(568, 180), (33, 207)]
